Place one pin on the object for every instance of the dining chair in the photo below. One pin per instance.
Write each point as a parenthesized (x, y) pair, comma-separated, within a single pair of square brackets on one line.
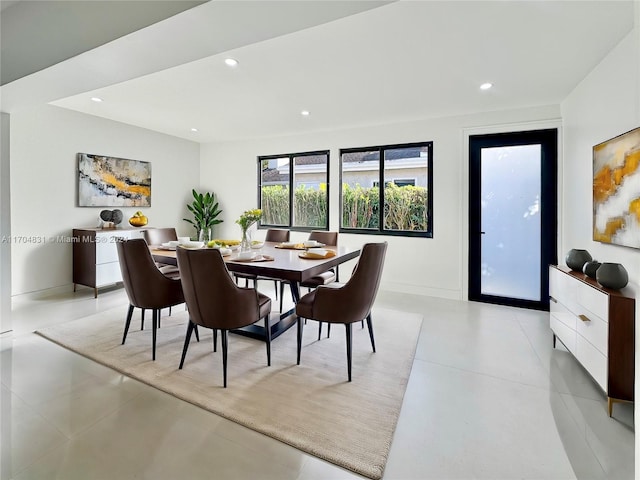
[(146, 286), (273, 235), (349, 303), (215, 301)]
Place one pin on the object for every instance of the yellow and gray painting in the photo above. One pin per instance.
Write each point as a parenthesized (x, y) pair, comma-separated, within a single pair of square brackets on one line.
[(616, 190), (110, 182)]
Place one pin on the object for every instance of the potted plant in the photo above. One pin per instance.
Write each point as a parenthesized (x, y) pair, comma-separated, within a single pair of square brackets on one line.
[(205, 210)]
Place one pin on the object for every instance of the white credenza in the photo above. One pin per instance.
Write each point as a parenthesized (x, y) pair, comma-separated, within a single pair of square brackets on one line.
[(597, 325), (95, 257)]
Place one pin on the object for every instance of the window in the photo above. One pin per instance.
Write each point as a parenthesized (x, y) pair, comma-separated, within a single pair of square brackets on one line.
[(405, 172), (306, 205)]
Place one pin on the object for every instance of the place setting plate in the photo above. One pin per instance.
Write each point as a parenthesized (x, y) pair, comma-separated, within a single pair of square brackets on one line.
[(257, 258)]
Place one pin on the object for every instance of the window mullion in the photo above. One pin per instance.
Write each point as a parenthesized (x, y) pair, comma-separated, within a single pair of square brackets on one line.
[(381, 187)]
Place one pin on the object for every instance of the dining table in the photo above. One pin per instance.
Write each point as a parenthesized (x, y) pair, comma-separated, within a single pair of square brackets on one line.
[(292, 264)]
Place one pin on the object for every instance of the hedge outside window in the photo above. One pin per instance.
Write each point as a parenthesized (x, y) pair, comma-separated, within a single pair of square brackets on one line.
[(306, 205), (405, 173)]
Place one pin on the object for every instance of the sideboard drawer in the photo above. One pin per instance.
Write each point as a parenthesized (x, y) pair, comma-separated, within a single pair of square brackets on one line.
[(561, 313), (592, 360), (595, 331), (108, 273), (594, 301), (566, 335)]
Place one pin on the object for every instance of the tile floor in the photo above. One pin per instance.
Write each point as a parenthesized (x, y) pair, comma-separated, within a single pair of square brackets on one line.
[(488, 398)]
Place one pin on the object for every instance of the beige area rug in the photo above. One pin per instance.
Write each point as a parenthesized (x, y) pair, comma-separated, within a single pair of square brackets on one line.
[(311, 406)]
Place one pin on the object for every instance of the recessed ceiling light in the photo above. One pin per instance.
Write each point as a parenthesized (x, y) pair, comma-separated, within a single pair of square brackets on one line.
[(486, 86), (232, 62), (194, 129), (304, 113), (96, 99)]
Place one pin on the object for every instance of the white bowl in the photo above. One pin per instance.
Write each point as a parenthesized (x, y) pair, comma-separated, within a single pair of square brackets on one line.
[(172, 243), (183, 240), (225, 251), (311, 243), (193, 244), (257, 245), (246, 255)]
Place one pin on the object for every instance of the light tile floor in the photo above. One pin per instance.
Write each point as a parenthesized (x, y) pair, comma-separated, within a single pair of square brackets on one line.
[(488, 398)]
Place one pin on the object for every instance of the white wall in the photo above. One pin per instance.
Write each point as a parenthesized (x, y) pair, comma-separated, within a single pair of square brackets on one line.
[(44, 144), (5, 227), (605, 104), (414, 265)]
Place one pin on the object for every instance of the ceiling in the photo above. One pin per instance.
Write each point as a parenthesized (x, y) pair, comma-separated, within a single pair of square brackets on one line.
[(349, 64)]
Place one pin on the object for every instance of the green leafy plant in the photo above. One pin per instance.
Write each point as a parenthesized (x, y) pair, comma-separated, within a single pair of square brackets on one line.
[(205, 210)]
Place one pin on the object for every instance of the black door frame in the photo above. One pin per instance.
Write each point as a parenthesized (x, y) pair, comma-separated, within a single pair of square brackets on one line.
[(548, 139)]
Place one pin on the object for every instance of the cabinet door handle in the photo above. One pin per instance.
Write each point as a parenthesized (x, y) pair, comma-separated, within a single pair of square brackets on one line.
[(553, 299), (584, 318)]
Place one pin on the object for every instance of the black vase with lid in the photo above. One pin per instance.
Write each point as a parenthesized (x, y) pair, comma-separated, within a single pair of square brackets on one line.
[(612, 275), (576, 258), (590, 268)]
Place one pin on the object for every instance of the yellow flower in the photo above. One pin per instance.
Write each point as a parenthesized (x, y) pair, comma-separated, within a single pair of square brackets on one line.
[(249, 217)]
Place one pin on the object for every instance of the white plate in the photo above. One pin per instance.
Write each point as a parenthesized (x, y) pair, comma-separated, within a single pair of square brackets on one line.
[(166, 247)]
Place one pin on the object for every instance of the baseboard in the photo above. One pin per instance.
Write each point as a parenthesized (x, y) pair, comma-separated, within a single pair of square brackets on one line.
[(40, 294), (413, 289)]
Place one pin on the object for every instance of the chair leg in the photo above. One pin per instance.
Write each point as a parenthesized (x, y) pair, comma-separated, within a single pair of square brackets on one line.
[(156, 317), (328, 329), (215, 340), (224, 357), (169, 311), (127, 323), (275, 284), (300, 327), (370, 326), (187, 338), (349, 344), (319, 330), (142, 320), (195, 328), (267, 330)]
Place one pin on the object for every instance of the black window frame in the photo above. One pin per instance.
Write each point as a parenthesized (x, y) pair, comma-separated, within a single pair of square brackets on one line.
[(381, 182), (291, 157)]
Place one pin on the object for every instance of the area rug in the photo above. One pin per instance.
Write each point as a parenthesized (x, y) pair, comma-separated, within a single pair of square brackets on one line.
[(311, 407)]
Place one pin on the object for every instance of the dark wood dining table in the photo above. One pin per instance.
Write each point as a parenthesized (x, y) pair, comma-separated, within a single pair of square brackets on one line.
[(287, 265)]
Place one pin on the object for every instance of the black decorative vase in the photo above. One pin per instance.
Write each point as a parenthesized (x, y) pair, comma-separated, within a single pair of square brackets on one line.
[(590, 268), (576, 259), (612, 275)]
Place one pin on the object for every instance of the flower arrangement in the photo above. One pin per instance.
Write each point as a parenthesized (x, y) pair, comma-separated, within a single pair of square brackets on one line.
[(248, 218)]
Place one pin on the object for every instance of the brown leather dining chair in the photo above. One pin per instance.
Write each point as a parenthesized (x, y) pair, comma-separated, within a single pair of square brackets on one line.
[(273, 235), (214, 300), (158, 236), (330, 239), (349, 303), (146, 286)]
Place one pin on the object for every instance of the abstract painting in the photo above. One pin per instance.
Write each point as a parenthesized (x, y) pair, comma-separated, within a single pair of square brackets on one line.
[(113, 182), (616, 190)]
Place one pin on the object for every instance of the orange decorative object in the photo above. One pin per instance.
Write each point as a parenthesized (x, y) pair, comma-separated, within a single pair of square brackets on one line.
[(138, 220)]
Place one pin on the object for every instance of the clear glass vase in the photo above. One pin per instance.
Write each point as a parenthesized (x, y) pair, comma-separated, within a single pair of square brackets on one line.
[(245, 242), (204, 235)]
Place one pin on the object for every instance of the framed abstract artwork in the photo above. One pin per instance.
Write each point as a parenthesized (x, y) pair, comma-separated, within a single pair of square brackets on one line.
[(616, 190), (113, 182)]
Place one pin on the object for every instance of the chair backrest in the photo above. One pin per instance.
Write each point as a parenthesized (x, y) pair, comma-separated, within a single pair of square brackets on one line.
[(322, 236), (158, 236), (213, 299), (359, 292), (145, 285), (277, 235)]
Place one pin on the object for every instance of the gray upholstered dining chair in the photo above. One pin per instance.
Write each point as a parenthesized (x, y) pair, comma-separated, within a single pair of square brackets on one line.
[(348, 303), (215, 301), (146, 286)]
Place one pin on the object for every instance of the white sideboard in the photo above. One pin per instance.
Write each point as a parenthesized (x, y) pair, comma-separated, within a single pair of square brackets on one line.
[(597, 325), (95, 257)]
